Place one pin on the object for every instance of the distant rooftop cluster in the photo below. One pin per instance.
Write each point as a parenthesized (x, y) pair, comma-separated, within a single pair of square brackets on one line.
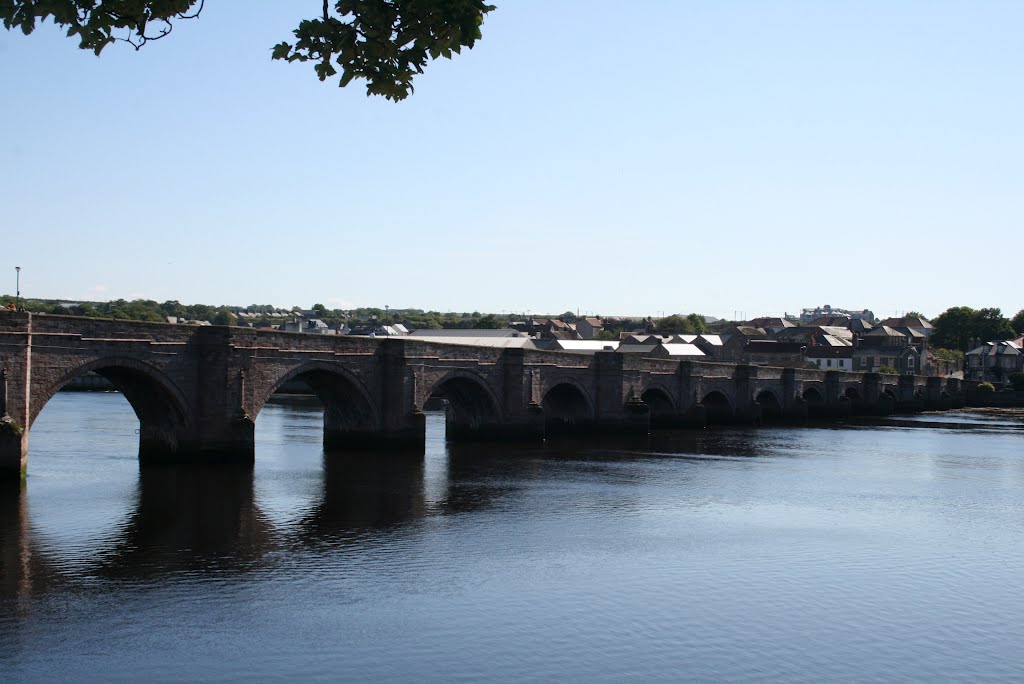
[(823, 337), (808, 315), (838, 341)]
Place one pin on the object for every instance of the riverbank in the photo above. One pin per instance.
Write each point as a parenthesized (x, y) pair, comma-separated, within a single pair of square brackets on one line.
[(1016, 413)]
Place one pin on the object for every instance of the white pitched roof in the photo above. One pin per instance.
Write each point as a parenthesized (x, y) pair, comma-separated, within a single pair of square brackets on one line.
[(682, 350)]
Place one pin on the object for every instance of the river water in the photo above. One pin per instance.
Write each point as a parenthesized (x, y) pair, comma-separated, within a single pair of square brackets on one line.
[(858, 553)]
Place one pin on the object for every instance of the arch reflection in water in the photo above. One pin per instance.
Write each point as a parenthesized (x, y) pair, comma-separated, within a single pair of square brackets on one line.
[(320, 495), (194, 518), (21, 570), (198, 519), (364, 491), (733, 441)]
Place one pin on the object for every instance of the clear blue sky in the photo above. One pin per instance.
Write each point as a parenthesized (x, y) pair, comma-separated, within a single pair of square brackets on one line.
[(653, 156)]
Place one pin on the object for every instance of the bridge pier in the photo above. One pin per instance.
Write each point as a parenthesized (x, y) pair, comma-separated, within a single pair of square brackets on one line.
[(526, 427), (907, 400), (957, 396), (13, 449), (876, 401), (794, 407), (616, 412), (796, 410), (636, 418), (406, 435), (15, 381), (752, 414), (935, 399), (696, 416), (230, 441)]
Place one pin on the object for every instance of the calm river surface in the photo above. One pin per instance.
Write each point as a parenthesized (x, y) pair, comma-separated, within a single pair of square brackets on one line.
[(792, 555)]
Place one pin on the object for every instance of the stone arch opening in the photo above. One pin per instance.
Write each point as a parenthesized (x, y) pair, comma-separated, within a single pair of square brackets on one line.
[(815, 401), (158, 404), (812, 395), (566, 410), (718, 407), (351, 418), (919, 393), (855, 401), (471, 411), (662, 410), (886, 402), (771, 407)]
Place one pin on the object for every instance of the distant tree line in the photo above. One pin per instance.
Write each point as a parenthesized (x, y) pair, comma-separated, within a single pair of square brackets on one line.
[(150, 310), (960, 327), (134, 310)]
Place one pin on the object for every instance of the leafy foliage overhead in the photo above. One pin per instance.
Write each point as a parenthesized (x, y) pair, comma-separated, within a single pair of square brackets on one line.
[(386, 42), (98, 23)]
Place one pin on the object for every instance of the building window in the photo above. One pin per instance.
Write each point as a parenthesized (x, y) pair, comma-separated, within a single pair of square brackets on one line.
[(830, 363), (818, 361), (841, 363)]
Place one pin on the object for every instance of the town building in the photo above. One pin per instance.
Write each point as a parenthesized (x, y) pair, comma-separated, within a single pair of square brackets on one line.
[(913, 322), (589, 328), (830, 358), (770, 324), (995, 361), (886, 347)]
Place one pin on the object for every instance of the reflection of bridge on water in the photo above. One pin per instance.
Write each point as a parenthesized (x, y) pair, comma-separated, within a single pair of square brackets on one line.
[(206, 520), (198, 390)]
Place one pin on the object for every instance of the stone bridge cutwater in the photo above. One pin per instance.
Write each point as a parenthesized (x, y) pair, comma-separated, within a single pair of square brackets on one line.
[(198, 391)]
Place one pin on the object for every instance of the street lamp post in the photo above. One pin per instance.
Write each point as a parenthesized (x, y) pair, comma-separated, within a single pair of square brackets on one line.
[(17, 288)]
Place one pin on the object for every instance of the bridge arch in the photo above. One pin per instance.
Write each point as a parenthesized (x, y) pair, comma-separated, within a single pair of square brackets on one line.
[(351, 416), (813, 395), (719, 408), (771, 407), (159, 404), (853, 394), (567, 408), (814, 398), (471, 407), (659, 402)]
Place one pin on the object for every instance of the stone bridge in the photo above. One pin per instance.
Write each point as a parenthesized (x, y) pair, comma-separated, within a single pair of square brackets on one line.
[(198, 391)]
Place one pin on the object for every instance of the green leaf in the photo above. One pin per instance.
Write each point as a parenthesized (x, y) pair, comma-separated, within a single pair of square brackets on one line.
[(280, 51)]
